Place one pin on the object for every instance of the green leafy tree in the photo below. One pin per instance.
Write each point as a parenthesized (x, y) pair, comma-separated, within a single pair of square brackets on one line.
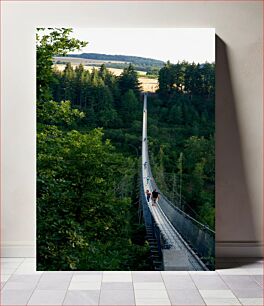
[(58, 113), (76, 200), (85, 186), (51, 42), (83, 208)]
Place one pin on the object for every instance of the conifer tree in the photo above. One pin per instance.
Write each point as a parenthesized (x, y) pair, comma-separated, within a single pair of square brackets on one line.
[(128, 80), (106, 114), (68, 78), (130, 106), (103, 72)]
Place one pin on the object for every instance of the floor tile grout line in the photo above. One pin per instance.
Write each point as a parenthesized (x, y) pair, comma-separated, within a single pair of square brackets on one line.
[(99, 298), (231, 288), (197, 288), (2, 290), (166, 288), (133, 288), (10, 275), (35, 286), (261, 286), (67, 289), (16, 267), (11, 263), (156, 273), (250, 299), (151, 282), (162, 277)]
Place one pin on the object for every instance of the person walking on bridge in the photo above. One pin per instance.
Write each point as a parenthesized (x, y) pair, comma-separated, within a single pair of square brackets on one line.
[(148, 179), (148, 194), (155, 196)]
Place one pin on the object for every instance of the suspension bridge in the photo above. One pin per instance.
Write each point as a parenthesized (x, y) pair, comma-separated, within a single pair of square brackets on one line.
[(177, 241)]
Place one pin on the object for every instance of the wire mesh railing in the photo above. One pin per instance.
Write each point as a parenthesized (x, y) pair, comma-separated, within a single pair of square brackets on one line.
[(199, 236)]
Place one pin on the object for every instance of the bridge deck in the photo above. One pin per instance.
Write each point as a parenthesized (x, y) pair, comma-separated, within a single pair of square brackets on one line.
[(169, 232)]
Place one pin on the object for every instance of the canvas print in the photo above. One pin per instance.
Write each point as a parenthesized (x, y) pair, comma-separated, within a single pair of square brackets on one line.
[(125, 149)]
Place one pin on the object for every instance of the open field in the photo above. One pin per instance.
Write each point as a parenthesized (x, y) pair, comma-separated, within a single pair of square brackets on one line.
[(148, 84), (115, 71), (84, 61)]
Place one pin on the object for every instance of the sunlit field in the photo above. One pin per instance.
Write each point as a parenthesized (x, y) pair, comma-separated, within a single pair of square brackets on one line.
[(148, 84)]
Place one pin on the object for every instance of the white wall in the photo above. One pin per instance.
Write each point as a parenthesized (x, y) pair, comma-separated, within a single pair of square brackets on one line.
[(239, 107)]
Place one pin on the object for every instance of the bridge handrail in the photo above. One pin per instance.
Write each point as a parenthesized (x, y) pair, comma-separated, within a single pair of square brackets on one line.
[(169, 202), (198, 235), (203, 226)]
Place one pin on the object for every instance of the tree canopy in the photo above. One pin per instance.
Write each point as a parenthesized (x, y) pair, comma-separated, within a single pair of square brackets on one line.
[(50, 42), (89, 124), (86, 205)]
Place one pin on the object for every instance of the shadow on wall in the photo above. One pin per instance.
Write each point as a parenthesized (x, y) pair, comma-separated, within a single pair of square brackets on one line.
[(234, 215)]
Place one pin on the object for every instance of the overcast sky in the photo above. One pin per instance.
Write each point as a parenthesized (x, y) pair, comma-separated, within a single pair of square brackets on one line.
[(174, 44)]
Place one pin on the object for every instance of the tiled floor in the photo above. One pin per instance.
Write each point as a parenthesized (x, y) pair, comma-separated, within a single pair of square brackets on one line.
[(242, 284)]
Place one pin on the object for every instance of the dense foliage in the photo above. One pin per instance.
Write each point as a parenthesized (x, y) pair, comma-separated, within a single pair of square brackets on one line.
[(84, 206), (106, 98), (50, 42), (87, 206), (88, 143), (181, 130)]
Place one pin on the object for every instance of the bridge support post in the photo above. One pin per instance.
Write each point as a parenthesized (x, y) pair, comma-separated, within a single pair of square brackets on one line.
[(175, 260)]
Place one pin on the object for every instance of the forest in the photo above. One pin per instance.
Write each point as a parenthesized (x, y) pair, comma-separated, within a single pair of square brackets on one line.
[(181, 131), (88, 147)]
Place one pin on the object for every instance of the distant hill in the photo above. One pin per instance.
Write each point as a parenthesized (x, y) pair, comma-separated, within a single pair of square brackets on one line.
[(149, 65), (136, 60)]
